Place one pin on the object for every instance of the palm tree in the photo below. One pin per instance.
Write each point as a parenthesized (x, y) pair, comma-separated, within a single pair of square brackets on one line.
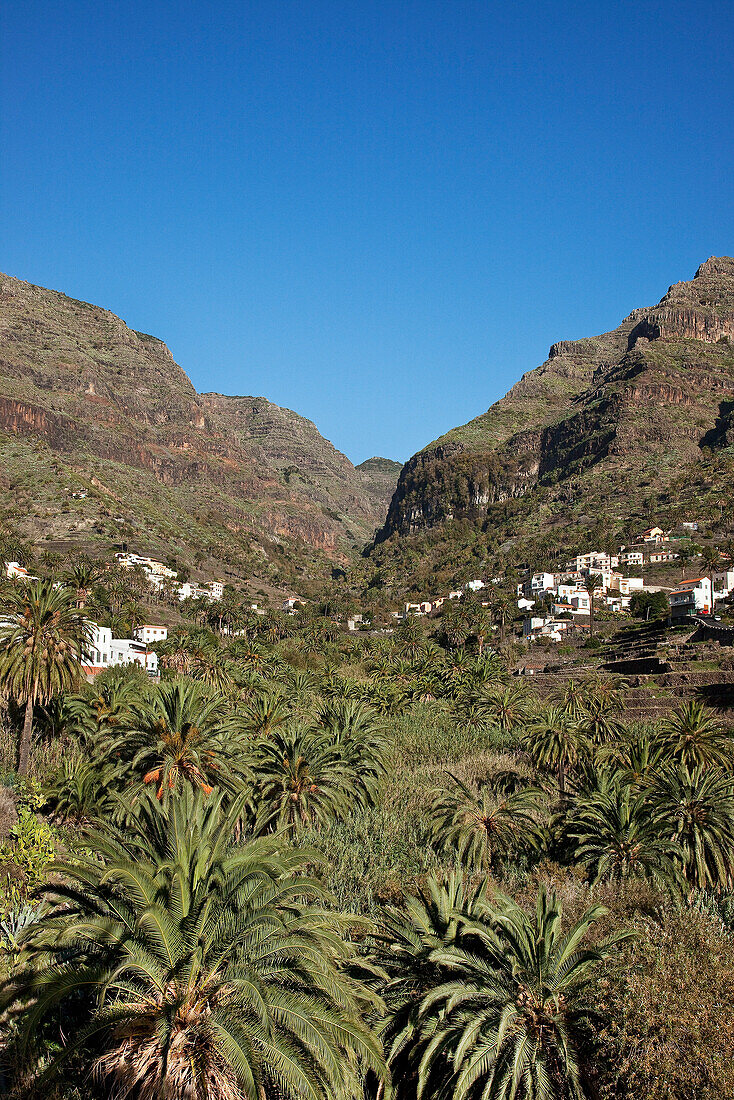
[(180, 737), (207, 969), (43, 640), (711, 558), (590, 583), (503, 607), (693, 737), (508, 707), (697, 810), (499, 1009), (82, 575), (616, 838), (486, 825), (557, 744), (571, 698), (267, 712), (635, 761), (304, 780), (406, 947)]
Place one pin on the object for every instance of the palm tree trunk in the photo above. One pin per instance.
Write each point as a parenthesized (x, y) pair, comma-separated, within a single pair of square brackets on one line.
[(24, 747)]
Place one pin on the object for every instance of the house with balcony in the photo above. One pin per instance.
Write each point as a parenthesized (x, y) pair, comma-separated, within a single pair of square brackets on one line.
[(691, 598)]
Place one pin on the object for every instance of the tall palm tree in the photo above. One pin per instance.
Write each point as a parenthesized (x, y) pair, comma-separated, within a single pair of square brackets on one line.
[(43, 640), (557, 744), (571, 698), (484, 826), (590, 583), (206, 969), (615, 838), (179, 737), (693, 737), (82, 575), (499, 1011), (696, 808)]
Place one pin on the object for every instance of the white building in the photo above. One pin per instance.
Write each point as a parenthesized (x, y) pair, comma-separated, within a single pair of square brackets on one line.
[(692, 597), (104, 651), (149, 634), (99, 650), (632, 558), (128, 651), (542, 582), (723, 583), (653, 534), (189, 590), (474, 586), (660, 555), (17, 572), (628, 585), (594, 561)]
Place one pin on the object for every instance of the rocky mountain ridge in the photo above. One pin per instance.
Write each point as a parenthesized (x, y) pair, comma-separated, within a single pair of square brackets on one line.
[(88, 397), (648, 397)]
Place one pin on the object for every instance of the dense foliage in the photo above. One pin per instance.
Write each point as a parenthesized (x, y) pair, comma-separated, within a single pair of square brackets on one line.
[(308, 864)]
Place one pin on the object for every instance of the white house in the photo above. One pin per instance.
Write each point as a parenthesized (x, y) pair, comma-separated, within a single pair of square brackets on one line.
[(104, 651), (525, 604), (149, 634), (692, 597), (542, 582), (653, 534), (634, 558), (474, 586), (127, 651), (657, 556), (17, 572), (723, 583), (189, 590), (593, 561), (99, 650), (628, 585)]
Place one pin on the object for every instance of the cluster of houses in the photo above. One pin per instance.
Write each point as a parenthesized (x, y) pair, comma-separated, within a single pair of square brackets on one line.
[(566, 601), (556, 603), (104, 651), (429, 607), (157, 573)]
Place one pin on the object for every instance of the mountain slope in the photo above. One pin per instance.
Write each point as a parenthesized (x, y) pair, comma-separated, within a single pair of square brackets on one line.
[(632, 410), (89, 405)]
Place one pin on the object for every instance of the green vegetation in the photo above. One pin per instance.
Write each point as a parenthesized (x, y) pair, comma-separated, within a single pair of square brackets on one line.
[(312, 864)]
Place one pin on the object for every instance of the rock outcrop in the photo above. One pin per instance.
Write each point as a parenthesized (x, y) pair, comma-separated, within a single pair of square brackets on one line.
[(651, 394), (111, 403)]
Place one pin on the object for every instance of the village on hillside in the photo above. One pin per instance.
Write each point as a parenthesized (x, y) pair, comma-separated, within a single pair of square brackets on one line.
[(556, 603), (551, 606)]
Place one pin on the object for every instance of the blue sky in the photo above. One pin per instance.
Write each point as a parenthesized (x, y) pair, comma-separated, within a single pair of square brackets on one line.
[(376, 213)]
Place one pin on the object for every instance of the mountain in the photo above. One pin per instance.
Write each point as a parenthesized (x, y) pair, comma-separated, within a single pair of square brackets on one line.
[(610, 425), (380, 476), (104, 437)]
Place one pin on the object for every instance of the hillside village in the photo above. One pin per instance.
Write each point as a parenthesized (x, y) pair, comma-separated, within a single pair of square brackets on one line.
[(556, 603)]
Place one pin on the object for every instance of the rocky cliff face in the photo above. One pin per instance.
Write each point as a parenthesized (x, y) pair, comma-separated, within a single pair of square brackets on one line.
[(104, 401), (650, 395)]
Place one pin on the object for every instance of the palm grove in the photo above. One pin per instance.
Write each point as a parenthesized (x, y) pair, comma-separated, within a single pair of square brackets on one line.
[(309, 865)]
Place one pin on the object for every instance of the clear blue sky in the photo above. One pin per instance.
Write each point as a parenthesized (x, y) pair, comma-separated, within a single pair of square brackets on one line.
[(376, 213)]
